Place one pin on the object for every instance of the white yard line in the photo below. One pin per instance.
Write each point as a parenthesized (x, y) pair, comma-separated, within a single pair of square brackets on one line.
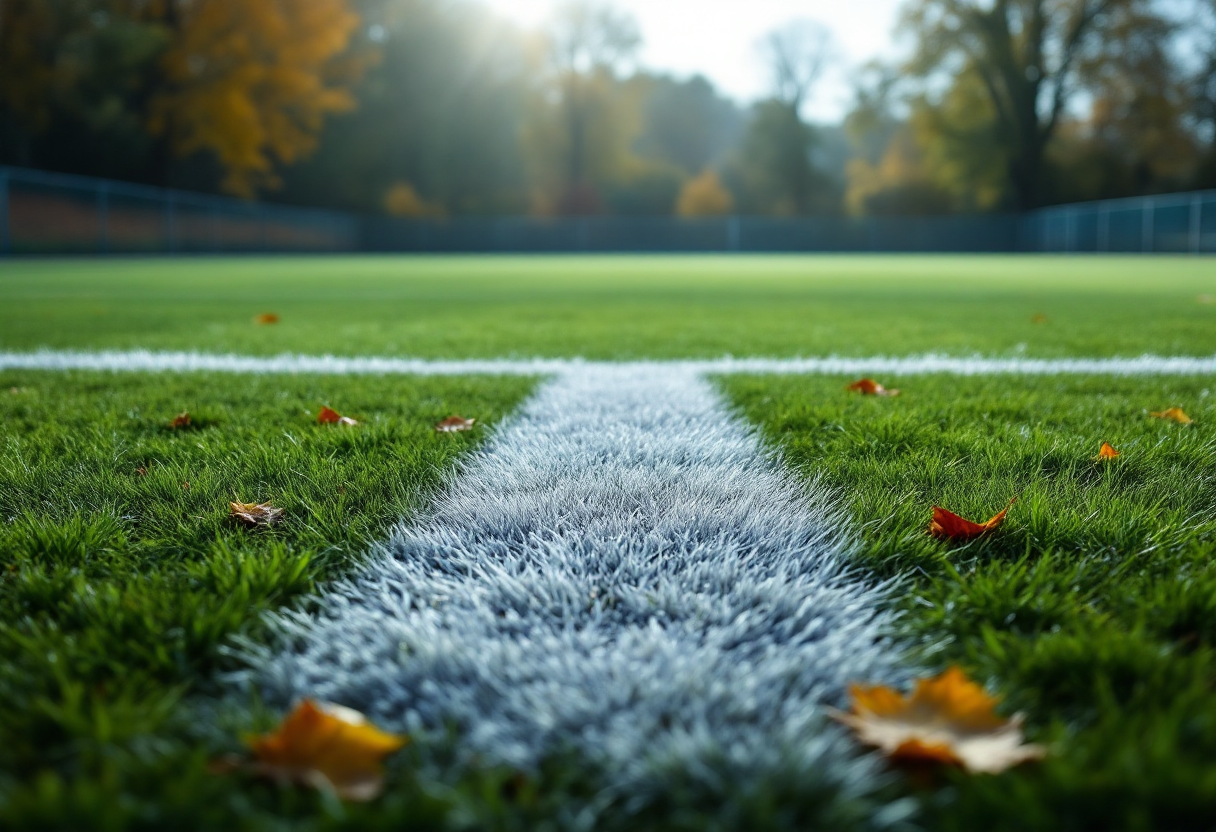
[(145, 361), (623, 572)]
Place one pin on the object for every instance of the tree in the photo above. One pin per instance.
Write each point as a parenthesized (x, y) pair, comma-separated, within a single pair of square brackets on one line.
[(1028, 57), (704, 196), (797, 55), (589, 41), (251, 81)]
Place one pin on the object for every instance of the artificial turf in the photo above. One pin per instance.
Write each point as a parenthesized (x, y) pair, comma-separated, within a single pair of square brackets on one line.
[(617, 307), (1093, 609), (123, 578)]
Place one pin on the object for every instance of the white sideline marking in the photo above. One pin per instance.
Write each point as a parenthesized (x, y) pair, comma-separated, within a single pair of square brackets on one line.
[(623, 571), (145, 361)]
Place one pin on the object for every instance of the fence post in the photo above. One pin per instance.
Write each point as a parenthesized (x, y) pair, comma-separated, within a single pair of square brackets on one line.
[(732, 233), (170, 223), (1196, 217), (5, 245), (103, 218), (1146, 226), (1070, 230)]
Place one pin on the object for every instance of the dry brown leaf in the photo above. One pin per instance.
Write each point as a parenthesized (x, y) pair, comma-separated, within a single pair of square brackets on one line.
[(870, 387), (948, 719), (1174, 414), (1107, 451), (326, 746), (141, 471), (266, 318), (1039, 318), (455, 424), (181, 420), (256, 514), (329, 416), (948, 525)]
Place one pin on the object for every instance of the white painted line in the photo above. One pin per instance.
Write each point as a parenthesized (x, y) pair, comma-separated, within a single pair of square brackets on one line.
[(623, 572), (144, 361)]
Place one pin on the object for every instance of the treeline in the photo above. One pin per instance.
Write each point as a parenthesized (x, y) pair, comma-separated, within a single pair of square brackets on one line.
[(436, 108)]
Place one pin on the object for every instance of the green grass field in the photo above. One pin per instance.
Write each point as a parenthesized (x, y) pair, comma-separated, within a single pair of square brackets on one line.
[(1093, 609), (617, 307)]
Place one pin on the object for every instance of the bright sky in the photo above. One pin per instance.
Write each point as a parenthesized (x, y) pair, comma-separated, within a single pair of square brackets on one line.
[(718, 38)]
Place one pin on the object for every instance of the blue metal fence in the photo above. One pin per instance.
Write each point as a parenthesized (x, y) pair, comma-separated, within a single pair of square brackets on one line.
[(56, 213)]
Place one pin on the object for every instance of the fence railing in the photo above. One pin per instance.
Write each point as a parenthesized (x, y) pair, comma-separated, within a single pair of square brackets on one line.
[(58, 213)]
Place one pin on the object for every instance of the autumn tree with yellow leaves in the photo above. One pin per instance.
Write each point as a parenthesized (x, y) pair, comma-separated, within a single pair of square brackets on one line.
[(251, 81)]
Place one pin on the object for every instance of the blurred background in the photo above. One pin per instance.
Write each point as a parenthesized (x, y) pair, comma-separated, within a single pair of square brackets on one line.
[(438, 111)]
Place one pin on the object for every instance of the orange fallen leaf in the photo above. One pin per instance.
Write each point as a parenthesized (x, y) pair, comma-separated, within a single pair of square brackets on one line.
[(1039, 318), (327, 746), (1174, 414), (870, 387), (266, 318), (948, 525), (328, 416), (455, 424), (948, 719), (1107, 451), (256, 514), (181, 420)]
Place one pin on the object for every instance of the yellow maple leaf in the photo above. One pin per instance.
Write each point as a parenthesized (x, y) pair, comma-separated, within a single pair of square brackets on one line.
[(1174, 414), (948, 719), (256, 514), (327, 746)]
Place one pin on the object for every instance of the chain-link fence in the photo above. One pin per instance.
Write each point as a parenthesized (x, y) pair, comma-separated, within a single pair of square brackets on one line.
[(1169, 223), (55, 213)]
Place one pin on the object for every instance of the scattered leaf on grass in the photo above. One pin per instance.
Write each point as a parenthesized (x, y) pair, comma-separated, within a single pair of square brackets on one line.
[(948, 525), (141, 471), (186, 486), (329, 416), (16, 391), (870, 387), (181, 420), (948, 719), (1039, 318), (1107, 451), (1174, 414), (327, 747), (455, 424), (256, 514), (266, 318)]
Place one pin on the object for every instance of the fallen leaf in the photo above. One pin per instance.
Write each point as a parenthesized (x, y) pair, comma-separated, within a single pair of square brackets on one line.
[(186, 486), (869, 387), (327, 746), (1174, 414), (266, 318), (948, 525), (256, 514), (454, 424), (1039, 318), (141, 471), (181, 420), (1204, 299), (328, 416), (948, 719), (1107, 451), (16, 391)]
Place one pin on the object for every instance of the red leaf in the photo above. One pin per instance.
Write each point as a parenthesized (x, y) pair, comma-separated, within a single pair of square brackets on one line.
[(949, 526), (870, 387), (455, 424)]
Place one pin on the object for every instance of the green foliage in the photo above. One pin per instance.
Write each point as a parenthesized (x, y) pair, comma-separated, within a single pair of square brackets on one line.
[(1092, 609)]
